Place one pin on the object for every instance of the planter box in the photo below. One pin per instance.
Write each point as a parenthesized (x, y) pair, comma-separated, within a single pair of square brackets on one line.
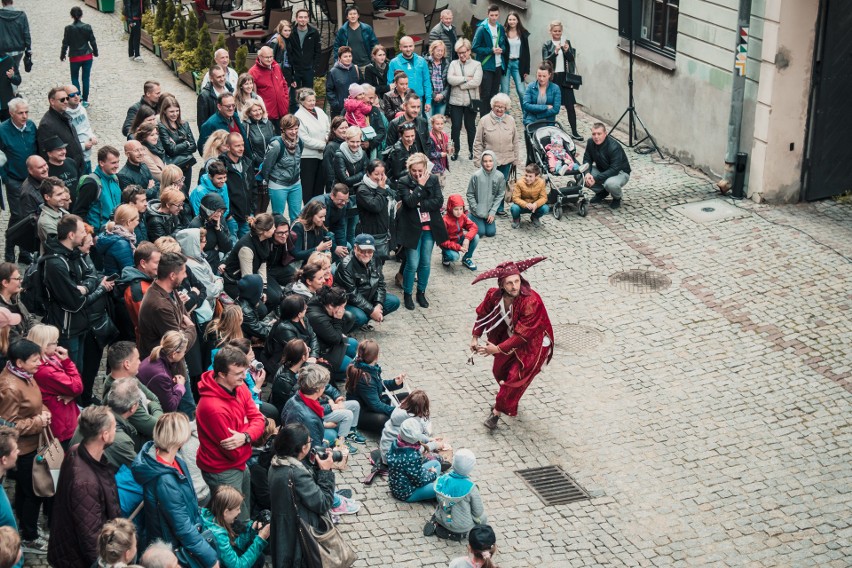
[(106, 6), (157, 50), (92, 3), (165, 55), (147, 41), (187, 79)]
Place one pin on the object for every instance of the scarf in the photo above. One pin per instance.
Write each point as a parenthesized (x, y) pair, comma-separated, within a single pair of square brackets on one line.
[(313, 405), (340, 65), (366, 180), (291, 146), (497, 118), (18, 372), (352, 157), (124, 233)]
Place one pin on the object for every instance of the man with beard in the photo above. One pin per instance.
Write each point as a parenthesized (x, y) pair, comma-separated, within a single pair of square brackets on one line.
[(519, 335)]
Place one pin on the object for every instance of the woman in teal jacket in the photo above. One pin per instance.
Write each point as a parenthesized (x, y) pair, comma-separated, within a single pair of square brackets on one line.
[(235, 550), (542, 100)]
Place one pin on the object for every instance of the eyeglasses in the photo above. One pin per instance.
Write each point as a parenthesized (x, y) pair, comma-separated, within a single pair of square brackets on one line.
[(229, 106), (18, 278), (62, 100), (72, 95), (277, 234)]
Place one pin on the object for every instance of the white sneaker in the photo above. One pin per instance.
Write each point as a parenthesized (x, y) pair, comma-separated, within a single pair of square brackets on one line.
[(138, 58), (583, 168)]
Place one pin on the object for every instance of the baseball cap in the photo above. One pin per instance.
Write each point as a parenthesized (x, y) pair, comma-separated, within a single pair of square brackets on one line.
[(365, 241)]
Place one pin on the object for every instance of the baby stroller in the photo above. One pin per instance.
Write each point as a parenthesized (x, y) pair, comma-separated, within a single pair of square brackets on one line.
[(560, 195)]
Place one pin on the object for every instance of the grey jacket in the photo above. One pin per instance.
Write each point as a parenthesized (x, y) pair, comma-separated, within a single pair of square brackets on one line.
[(280, 166), (485, 190), (439, 33), (190, 245)]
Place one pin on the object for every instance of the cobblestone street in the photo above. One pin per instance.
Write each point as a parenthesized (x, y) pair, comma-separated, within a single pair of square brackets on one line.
[(708, 420)]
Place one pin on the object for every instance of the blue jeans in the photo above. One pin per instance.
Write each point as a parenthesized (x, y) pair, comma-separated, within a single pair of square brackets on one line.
[(351, 225), (391, 304), (517, 211), (187, 404), (453, 255), (419, 260), (289, 196), (438, 108), (514, 73), (426, 492), (484, 229), (351, 350), (86, 68)]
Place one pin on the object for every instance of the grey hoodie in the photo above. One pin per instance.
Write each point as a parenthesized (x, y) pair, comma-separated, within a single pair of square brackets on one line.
[(14, 31), (190, 244), (486, 189), (80, 120)]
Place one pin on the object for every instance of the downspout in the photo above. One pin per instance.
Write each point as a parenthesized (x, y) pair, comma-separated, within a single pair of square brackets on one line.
[(735, 121)]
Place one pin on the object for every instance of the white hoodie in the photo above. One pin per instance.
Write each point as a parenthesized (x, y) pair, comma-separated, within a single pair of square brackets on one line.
[(80, 120)]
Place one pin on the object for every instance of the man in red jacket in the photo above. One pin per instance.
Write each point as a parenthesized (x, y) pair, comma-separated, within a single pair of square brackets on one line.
[(228, 421), (270, 83)]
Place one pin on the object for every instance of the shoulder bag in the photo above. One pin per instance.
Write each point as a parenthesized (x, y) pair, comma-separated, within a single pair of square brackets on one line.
[(475, 104), (47, 463), (324, 547), (510, 185), (572, 80)]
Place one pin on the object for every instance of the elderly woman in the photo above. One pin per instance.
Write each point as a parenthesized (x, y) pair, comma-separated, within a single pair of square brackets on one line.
[(177, 138), (282, 169), (541, 102), (21, 404), (496, 132), (464, 76), (172, 513), (419, 226), (560, 54), (314, 126), (438, 62), (10, 289)]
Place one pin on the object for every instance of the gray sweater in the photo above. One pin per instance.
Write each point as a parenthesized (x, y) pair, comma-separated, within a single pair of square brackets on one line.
[(485, 190)]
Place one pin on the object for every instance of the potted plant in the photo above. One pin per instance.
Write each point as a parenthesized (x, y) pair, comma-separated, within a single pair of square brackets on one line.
[(166, 31), (319, 89), (177, 38), (186, 61), (400, 33), (203, 56), (240, 60)]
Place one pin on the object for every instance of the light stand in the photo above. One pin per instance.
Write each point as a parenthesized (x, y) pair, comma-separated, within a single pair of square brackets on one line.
[(633, 116)]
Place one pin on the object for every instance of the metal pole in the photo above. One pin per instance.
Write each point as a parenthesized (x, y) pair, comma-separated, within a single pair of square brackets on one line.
[(737, 94)]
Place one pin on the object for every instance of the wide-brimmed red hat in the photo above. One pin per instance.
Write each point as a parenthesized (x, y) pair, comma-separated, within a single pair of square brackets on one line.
[(508, 268)]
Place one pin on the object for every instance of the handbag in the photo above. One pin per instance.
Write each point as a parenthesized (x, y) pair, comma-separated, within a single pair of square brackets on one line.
[(324, 547), (510, 185), (104, 330), (475, 105), (572, 80), (46, 465)]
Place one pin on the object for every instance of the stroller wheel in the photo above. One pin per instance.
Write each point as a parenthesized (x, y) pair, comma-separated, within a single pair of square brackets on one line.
[(582, 209), (557, 210)]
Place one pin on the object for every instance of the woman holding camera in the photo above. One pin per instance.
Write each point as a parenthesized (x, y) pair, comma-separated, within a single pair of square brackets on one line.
[(236, 549), (560, 54)]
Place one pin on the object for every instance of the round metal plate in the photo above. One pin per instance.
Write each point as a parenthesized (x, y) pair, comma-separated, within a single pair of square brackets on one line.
[(708, 209), (575, 338), (640, 281)]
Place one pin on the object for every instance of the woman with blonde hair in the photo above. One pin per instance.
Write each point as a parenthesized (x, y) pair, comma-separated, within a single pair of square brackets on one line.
[(314, 126), (163, 215), (464, 76), (438, 62), (177, 138), (174, 177), (172, 513), (259, 133), (164, 373), (117, 544), (228, 326), (59, 382), (237, 548), (215, 146), (117, 243), (155, 155)]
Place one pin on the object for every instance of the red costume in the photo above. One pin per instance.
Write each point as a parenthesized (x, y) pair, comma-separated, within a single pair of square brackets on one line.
[(523, 334)]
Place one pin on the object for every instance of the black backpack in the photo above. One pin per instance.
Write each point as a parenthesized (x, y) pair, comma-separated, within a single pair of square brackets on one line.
[(34, 294)]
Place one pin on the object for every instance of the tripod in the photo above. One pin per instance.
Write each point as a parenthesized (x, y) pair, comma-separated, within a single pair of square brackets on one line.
[(633, 116)]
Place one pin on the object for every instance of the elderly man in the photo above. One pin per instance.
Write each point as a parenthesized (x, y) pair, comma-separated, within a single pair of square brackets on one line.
[(159, 555), (17, 143), (222, 59), (57, 164), (519, 335), (610, 170), (56, 122), (218, 85), (445, 31), (360, 275), (37, 171), (150, 98), (135, 172), (224, 119), (415, 68), (358, 36), (270, 84), (80, 120)]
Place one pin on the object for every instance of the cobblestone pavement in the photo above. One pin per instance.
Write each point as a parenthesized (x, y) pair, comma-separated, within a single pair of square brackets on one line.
[(709, 421)]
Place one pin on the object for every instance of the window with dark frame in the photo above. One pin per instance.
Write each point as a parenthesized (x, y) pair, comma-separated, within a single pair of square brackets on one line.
[(659, 26)]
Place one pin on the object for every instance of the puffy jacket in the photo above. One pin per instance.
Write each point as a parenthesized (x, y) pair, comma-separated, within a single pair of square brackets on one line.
[(272, 88), (205, 186), (116, 252), (533, 111), (160, 224), (418, 199), (524, 194), (418, 75), (459, 503), (15, 28), (218, 412), (97, 198), (171, 505), (349, 173), (63, 272), (405, 465), (260, 134), (86, 497), (364, 284), (79, 42), (370, 391), (57, 378), (341, 38), (483, 45), (285, 330), (337, 83), (179, 144), (280, 165), (158, 376), (356, 111), (59, 124), (457, 227), (244, 552)]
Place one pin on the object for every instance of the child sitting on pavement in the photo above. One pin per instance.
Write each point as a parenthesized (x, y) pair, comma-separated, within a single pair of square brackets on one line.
[(411, 477), (415, 405), (529, 197), (462, 233), (459, 504), (356, 106)]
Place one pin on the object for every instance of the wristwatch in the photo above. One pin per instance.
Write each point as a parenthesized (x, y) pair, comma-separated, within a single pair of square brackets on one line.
[(248, 439)]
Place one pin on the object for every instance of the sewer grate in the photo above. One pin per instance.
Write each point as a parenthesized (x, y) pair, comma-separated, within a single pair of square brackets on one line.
[(708, 209), (640, 281), (552, 485), (576, 338)]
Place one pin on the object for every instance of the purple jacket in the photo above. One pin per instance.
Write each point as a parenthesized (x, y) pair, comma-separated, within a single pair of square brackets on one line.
[(159, 377)]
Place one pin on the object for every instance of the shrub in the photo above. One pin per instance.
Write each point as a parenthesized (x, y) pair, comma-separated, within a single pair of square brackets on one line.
[(240, 60)]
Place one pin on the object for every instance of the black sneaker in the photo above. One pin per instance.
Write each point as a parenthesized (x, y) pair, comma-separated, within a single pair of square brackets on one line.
[(37, 546), (502, 214), (491, 422), (408, 301), (616, 203), (421, 299), (430, 527), (599, 196), (576, 136)]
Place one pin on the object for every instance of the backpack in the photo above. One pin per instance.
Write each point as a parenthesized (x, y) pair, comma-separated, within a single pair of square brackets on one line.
[(34, 294), (97, 181)]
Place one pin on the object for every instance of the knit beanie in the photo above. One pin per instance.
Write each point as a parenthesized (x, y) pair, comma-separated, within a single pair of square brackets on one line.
[(355, 89), (463, 462), (411, 431), (251, 288)]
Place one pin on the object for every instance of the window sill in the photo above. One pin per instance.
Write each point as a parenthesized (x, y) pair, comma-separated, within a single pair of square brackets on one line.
[(648, 55)]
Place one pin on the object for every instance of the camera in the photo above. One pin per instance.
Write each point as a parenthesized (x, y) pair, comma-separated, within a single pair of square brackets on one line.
[(264, 518), (322, 453), (256, 366)]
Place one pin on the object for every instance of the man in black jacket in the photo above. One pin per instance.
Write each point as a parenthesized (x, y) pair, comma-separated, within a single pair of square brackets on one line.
[(15, 39), (360, 275), (305, 48), (411, 113), (240, 182), (133, 10), (57, 164), (150, 98), (610, 169), (209, 97), (56, 122), (134, 171), (31, 200)]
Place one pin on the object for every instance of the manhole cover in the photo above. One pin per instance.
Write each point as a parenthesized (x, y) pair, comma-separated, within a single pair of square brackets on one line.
[(708, 209), (576, 338), (640, 281), (552, 485)]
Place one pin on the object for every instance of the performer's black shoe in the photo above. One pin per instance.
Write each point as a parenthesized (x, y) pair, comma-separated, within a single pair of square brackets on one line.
[(408, 301), (421, 299), (491, 422)]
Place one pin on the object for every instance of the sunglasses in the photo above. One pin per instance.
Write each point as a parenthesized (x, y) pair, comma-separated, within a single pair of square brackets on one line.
[(61, 100), (73, 95)]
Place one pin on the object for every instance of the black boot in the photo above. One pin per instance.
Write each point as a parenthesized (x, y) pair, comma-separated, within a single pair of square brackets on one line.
[(421, 299), (409, 303)]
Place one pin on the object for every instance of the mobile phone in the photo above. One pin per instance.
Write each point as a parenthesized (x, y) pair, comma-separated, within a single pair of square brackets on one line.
[(112, 278)]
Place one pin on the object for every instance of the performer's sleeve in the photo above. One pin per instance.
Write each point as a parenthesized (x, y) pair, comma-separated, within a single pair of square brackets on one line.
[(525, 328), (482, 311)]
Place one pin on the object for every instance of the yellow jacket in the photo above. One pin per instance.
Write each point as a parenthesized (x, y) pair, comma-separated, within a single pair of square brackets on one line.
[(524, 194)]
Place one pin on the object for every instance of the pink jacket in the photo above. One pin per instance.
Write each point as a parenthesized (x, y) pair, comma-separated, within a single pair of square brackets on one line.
[(356, 112), (57, 378)]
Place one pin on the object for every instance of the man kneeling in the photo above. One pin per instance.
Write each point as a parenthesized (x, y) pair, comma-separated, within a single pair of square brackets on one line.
[(360, 275)]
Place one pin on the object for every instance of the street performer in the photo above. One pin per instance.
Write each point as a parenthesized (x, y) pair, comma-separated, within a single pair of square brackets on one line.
[(518, 331)]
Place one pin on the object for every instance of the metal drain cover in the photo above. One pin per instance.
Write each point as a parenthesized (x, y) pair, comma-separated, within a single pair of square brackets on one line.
[(576, 338), (710, 210), (640, 281), (552, 485)]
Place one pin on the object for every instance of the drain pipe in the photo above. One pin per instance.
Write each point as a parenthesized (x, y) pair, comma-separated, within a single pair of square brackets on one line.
[(735, 121)]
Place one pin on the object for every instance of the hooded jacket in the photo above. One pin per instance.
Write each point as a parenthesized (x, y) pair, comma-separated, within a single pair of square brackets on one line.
[(171, 505), (241, 188), (524, 194), (218, 237), (391, 430), (205, 186), (14, 30), (57, 378), (244, 552), (485, 190), (457, 227), (482, 46), (257, 321), (159, 224), (190, 244), (459, 503), (341, 38), (116, 252), (218, 412)]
